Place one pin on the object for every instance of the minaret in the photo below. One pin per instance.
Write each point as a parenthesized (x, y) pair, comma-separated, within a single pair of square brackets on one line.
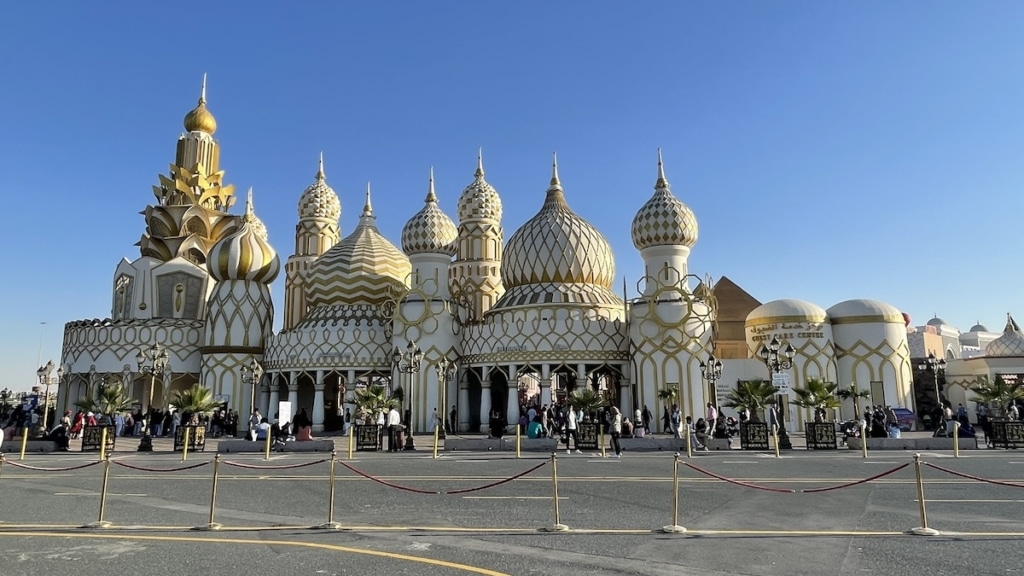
[(197, 147), (317, 231), (476, 273)]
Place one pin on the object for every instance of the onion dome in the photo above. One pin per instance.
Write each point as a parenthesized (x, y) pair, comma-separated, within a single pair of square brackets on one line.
[(245, 254), (787, 310), (360, 269), (664, 219), (557, 246), (319, 200), (979, 327), (430, 231), (1011, 343), (864, 311), (199, 118), (479, 199)]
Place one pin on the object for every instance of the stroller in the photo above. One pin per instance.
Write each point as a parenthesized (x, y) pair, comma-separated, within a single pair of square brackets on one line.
[(849, 429)]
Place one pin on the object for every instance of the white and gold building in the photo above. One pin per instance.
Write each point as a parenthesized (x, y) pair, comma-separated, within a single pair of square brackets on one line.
[(534, 317)]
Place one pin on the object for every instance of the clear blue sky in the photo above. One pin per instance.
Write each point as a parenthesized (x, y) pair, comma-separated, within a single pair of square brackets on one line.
[(831, 150)]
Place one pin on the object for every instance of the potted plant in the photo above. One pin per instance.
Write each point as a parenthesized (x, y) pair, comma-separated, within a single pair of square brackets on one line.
[(818, 396), (370, 401), (852, 393), (588, 401), (669, 396), (752, 395), (198, 401)]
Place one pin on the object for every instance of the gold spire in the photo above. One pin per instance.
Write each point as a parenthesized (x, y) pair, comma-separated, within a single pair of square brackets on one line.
[(250, 215), (431, 197), (480, 163), (662, 181), (320, 171), (554, 171), (199, 118), (368, 207)]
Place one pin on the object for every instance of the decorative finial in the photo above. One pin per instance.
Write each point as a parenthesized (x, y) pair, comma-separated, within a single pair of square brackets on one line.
[(320, 171), (662, 181), (250, 214), (554, 170), (368, 208), (202, 93), (431, 197), (480, 163)]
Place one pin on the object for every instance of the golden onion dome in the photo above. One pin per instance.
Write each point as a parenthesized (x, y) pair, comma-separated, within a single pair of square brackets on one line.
[(430, 231), (664, 219), (360, 269), (320, 200), (479, 199), (199, 119), (245, 254), (557, 246)]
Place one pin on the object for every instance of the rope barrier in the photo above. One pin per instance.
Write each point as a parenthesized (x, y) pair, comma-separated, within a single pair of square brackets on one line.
[(498, 483), (970, 477), (41, 469), (738, 482), (274, 467), (389, 484), (144, 469), (848, 484)]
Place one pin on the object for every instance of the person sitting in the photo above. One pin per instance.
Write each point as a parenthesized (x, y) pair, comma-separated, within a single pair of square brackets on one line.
[(535, 428), (700, 431), (60, 435), (627, 427), (263, 430)]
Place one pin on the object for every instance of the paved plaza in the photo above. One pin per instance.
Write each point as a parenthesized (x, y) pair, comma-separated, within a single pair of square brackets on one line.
[(412, 514)]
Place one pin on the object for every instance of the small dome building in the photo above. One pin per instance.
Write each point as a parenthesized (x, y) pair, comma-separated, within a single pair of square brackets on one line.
[(872, 350)]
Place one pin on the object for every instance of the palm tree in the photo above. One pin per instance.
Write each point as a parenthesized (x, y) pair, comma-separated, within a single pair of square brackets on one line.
[(852, 393), (372, 400), (669, 394), (753, 395), (586, 400), (997, 395), (196, 400), (818, 396), (111, 399)]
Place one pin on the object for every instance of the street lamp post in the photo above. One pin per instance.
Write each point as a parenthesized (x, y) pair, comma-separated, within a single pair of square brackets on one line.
[(159, 360), (408, 362), (44, 380), (446, 370), (778, 360), (936, 366), (712, 372), (252, 375)]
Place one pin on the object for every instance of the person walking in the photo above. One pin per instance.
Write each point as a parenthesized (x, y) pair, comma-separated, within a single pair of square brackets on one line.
[(712, 416), (394, 423), (616, 426), (675, 421), (254, 423), (571, 435)]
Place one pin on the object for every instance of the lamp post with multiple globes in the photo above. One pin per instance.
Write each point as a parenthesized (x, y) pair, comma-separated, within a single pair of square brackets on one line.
[(936, 367), (408, 362), (778, 360), (446, 370), (159, 361), (712, 372), (43, 373), (252, 375)]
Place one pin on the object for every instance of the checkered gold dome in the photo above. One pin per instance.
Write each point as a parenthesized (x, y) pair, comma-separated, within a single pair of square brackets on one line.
[(479, 199), (557, 246), (430, 231), (319, 200), (664, 219), (245, 254), (360, 269), (1011, 343)]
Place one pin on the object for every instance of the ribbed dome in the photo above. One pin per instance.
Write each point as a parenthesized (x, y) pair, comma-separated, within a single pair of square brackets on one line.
[(430, 231), (319, 200), (245, 254), (664, 219), (1011, 343), (479, 199), (557, 246), (358, 270), (199, 119)]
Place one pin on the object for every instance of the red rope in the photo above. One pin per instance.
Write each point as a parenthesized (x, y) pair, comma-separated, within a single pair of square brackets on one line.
[(738, 482), (275, 467), (848, 484), (969, 477), (41, 469), (143, 469), (498, 483), (378, 480)]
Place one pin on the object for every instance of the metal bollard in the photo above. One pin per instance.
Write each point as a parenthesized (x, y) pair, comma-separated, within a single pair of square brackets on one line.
[(24, 443), (863, 439), (775, 437), (923, 529), (211, 525), (675, 528), (689, 443), (956, 439), (184, 448), (604, 452), (351, 442), (557, 526), (103, 444), (2, 460), (101, 523), (436, 434), (331, 524), (519, 441), (266, 450)]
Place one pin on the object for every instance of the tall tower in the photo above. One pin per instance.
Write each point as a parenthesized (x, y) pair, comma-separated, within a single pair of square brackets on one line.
[(317, 231), (240, 310), (475, 277)]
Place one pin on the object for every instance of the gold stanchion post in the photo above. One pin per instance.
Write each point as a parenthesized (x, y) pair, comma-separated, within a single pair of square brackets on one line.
[(863, 439), (675, 528), (103, 444), (775, 439), (923, 529), (101, 523), (436, 434), (24, 443), (689, 442), (351, 441), (331, 524), (211, 525), (557, 526), (266, 449), (184, 447), (604, 450), (519, 439), (956, 439)]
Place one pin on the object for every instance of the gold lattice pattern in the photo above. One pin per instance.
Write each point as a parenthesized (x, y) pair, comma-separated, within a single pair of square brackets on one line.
[(240, 314), (664, 220), (320, 201), (430, 231)]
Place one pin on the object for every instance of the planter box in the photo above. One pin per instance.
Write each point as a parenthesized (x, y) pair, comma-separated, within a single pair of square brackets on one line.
[(260, 446), (913, 443), (14, 446)]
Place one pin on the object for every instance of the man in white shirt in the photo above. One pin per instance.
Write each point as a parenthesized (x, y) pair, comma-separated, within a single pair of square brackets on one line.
[(393, 423), (571, 434)]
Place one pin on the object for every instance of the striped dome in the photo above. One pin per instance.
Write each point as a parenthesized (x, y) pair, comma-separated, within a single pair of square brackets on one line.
[(245, 254), (664, 219), (430, 231), (479, 199), (358, 270)]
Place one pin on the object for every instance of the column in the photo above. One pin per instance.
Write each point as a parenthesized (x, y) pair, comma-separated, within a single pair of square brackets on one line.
[(545, 384), (581, 376), (293, 395), (485, 399), (626, 401), (350, 390), (274, 398), (462, 406), (513, 395), (264, 398), (318, 402)]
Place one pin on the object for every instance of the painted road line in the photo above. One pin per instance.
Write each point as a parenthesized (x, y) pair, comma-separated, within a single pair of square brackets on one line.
[(330, 547), (739, 462), (970, 500), (512, 497), (94, 494)]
